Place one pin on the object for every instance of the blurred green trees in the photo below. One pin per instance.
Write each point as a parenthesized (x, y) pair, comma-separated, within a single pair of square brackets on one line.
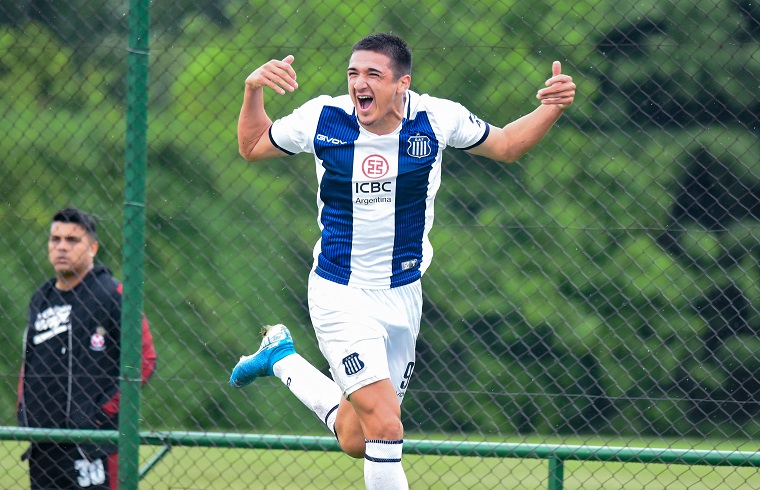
[(606, 283)]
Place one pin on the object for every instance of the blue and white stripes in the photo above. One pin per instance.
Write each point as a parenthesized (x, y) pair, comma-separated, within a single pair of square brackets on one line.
[(376, 192)]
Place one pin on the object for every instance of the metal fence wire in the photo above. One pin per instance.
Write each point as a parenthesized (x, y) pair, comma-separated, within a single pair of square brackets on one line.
[(603, 290)]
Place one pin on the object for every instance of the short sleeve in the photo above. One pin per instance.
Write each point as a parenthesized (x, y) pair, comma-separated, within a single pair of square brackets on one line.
[(466, 129), (294, 133)]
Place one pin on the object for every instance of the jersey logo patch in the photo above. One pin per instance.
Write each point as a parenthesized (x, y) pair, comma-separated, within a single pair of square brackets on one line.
[(352, 363), (334, 141), (419, 146), (375, 167), (98, 339), (51, 322), (474, 119), (409, 264)]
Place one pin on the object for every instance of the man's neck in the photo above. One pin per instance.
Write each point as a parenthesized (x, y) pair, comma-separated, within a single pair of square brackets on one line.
[(68, 281)]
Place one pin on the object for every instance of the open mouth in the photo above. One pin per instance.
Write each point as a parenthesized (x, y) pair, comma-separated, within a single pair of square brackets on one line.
[(365, 101)]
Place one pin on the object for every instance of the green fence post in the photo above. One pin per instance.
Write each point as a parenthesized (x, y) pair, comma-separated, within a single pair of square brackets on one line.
[(556, 473), (134, 243)]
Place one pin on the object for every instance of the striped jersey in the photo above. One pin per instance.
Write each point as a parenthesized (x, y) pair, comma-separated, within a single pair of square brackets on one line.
[(376, 192)]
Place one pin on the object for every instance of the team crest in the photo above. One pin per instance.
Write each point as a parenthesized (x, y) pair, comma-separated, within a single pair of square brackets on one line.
[(352, 364), (419, 146), (98, 339)]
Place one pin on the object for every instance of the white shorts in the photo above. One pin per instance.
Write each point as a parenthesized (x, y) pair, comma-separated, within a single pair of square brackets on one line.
[(366, 335)]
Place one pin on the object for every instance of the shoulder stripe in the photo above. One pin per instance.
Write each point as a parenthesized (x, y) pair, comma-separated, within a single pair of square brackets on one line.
[(482, 138)]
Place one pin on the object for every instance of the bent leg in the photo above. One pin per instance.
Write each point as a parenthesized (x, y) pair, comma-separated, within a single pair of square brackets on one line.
[(372, 413), (369, 424)]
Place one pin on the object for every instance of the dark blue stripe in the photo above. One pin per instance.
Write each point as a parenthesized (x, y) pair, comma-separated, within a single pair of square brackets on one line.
[(382, 460), (330, 412), (411, 193), (334, 263)]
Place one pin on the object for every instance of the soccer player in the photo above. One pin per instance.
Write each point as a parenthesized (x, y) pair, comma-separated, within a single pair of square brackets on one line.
[(378, 156), (70, 366)]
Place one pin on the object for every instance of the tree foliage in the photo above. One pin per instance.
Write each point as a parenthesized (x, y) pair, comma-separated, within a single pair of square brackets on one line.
[(614, 265)]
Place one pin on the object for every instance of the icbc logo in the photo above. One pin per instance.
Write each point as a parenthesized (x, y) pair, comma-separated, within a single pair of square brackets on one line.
[(372, 187), (375, 167)]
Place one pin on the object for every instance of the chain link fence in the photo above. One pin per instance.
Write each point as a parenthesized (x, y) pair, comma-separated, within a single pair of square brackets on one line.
[(604, 290)]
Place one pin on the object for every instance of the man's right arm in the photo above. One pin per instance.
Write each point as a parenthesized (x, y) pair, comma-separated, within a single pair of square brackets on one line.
[(253, 123), (511, 142)]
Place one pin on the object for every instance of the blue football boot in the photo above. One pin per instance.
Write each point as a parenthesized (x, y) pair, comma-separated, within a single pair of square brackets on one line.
[(277, 343)]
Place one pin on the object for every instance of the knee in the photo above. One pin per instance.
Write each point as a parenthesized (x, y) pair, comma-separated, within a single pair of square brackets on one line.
[(353, 443), (353, 447), (386, 429)]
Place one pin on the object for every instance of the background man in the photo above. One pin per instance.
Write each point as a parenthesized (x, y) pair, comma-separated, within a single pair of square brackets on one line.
[(70, 368)]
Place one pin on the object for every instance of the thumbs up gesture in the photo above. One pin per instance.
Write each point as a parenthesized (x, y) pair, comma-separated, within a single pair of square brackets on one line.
[(560, 89)]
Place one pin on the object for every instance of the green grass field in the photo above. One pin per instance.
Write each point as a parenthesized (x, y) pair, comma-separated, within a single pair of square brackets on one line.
[(230, 469)]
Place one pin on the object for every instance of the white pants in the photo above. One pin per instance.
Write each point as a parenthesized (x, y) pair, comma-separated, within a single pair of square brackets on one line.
[(366, 335)]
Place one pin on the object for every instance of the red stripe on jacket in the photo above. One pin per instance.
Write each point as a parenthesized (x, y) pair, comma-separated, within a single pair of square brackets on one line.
[(111, 407)]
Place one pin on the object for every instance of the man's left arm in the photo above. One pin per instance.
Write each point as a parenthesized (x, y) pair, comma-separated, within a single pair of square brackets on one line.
[(514, 140)]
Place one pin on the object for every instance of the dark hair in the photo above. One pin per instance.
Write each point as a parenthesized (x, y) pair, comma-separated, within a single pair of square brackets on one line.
[(391, 46), (73, 215)]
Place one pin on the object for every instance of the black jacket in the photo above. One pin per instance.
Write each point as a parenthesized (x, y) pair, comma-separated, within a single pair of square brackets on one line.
[(70, 370)]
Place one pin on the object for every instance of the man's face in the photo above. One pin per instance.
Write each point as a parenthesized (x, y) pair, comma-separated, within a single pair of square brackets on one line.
[(70, 249), (377, 95)]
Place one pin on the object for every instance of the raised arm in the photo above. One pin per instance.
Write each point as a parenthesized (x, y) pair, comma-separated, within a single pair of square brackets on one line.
[(514, 140), (253, 123)]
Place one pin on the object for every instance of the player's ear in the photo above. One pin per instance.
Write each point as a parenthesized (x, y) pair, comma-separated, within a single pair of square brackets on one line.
[(93, 248), (404, 83)]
